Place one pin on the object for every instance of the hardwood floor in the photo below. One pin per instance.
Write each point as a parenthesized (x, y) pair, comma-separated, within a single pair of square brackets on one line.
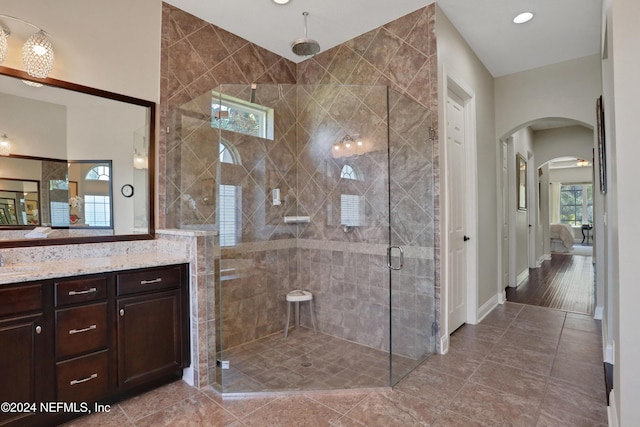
[(566, 282)]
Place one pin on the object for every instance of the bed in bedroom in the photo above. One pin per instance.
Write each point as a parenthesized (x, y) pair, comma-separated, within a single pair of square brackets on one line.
[(561, 238)]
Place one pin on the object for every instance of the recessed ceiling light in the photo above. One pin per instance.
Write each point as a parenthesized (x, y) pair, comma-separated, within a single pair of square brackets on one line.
[(281, 2), (522, 18)]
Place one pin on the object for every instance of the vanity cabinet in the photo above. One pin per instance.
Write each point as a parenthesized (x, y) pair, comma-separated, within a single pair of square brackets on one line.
[(94, 338), (150, 325), (26, 335)]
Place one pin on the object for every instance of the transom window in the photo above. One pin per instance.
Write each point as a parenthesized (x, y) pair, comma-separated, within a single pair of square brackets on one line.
[(240, 116), (98, 173)]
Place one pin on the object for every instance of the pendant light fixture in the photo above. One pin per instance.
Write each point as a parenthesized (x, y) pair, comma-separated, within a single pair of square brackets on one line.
[(37, 52)]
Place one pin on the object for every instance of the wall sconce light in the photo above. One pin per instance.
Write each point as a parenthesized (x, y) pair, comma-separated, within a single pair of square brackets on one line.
[(37, 52), (140, 156), (348, 145), (5, 145)]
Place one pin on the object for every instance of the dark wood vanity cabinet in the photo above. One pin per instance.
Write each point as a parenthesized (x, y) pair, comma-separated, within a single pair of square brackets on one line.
[(151, 329), (89, 339), (26, 335)]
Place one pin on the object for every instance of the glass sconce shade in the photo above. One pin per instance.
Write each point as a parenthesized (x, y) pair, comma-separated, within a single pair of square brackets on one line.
[(3, 44), (5, 145), (37, 55)]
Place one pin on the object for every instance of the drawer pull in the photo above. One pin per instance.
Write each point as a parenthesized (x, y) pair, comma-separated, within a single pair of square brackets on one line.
[(88, 291), (77, 331), (149, 282), (84, 380)]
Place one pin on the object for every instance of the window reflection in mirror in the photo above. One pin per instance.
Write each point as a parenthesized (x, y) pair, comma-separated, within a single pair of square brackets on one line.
[(90, 195)]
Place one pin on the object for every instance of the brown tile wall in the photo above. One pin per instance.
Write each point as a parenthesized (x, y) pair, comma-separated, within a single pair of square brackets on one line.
[(197, 57)]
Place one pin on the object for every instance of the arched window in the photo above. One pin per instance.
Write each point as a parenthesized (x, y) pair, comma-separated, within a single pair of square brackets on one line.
[(348, 172), (228, 153), (98, 173)]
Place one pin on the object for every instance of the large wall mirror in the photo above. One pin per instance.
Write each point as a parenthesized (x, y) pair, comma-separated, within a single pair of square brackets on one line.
[(80, 163)]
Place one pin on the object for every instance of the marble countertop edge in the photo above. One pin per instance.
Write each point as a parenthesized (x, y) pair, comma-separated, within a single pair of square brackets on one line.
[(18, 273)]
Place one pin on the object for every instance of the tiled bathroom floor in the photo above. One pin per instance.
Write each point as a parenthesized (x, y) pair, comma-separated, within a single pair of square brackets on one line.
[(308, 361), (522, 366)]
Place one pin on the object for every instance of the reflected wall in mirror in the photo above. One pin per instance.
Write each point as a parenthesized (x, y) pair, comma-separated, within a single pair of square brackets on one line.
[(64, 131), (19, 202)]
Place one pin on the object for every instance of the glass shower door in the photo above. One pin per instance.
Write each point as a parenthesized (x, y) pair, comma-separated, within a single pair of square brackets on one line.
[(414, 327)]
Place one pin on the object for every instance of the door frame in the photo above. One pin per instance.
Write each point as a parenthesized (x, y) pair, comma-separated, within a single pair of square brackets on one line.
[(463, 91)]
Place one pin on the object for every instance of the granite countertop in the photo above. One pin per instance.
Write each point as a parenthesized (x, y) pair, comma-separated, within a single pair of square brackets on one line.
[(17, 273)]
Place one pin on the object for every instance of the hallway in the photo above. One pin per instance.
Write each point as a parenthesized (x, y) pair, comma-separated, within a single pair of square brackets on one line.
[(566, 282), (522, 366)]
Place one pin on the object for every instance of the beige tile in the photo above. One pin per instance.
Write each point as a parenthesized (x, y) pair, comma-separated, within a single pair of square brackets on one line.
[(394, 408), (568, 404), (196, 410), (456, 363), (481, 332), (470, 344), (290, 411), (527, 342), (580, 353), (434, 386), (509, 354), (581, 337), (493, 407), (240, 407), (453, 419), (114, 418), (586, 376), (154, 400), (584, 324), (346, 422), (511, 380), (563, 419), (339, 401), (549, 329)]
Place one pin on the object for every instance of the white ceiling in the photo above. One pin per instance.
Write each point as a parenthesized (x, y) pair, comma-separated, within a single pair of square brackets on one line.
[(560, 30)]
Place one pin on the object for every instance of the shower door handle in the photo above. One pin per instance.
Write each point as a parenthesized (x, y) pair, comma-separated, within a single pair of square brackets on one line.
[(389, 261)]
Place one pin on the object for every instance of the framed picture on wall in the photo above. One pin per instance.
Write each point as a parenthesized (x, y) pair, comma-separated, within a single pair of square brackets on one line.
[(73, 189), (521, 182), (602, 155)]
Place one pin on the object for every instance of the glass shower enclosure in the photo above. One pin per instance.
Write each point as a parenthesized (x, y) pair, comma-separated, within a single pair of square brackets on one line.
[(324, 188)]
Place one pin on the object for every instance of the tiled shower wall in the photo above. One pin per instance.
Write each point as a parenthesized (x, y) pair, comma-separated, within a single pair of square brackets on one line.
[(402, 56), (197, 57)]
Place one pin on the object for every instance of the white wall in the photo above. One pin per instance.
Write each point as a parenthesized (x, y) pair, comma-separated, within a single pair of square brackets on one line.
[(112, 45), (577, 175), (567, 90), (459, 62), (575, 141), (622, 104)]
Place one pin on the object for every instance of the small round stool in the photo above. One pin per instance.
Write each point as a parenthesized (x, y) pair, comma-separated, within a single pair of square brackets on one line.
[(297, 296)]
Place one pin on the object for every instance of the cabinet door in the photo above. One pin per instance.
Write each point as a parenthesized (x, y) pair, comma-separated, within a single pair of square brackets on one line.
[(23, 364), (149, 338)]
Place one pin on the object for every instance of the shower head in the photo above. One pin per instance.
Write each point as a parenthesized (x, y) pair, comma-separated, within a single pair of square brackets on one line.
[(305, 46)]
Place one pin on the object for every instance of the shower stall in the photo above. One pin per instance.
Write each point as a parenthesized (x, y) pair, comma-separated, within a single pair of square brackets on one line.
[(350, 169)]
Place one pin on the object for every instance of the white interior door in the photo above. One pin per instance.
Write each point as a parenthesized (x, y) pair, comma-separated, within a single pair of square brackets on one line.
[(456, 175)]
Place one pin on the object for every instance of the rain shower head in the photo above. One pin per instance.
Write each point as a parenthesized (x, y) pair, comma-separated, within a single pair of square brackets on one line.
[(305, 46)]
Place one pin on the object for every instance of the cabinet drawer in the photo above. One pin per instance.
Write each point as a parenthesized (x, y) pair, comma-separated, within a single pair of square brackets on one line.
[(80, 290), (81, 329), (19, 299), (152, 279), (83, 379)]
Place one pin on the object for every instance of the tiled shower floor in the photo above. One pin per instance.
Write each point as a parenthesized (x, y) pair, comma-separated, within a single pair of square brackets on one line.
[(307, 361)]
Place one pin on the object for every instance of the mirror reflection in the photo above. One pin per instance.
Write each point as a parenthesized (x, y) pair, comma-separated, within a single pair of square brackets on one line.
[(76, 145), (19, 202)]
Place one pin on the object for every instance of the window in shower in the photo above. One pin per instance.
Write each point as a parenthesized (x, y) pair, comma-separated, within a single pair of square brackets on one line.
[(237, 115), (229, 202)]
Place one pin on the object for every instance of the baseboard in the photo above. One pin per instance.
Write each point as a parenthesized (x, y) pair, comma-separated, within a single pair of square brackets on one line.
[(540, 261), (487, 307), (547, 257), (609, 353), (612, 412), (522, 277), (444, 344), (598, 312)]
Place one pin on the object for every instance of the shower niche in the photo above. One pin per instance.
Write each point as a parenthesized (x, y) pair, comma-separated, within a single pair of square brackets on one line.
[(356, 163)]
